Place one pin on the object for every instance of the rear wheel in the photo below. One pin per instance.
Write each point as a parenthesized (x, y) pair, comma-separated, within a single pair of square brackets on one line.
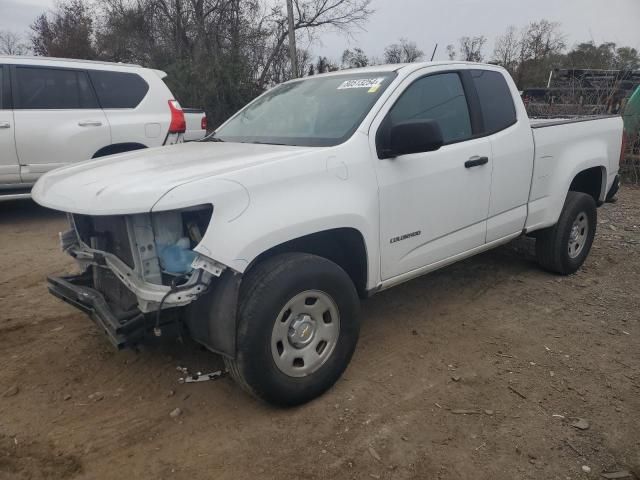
[(297, 328), (564, 247)]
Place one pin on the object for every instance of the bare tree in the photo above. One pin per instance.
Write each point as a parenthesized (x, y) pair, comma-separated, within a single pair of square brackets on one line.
[(451, 52), (11, 44), (542, 39), (393, 54), (627, 58), (404, 51), (324, 65), (304, 62), (606, 56), (281, 67), (311, 15), (507, 48), (355, 58), (471, 48), (540, 49)]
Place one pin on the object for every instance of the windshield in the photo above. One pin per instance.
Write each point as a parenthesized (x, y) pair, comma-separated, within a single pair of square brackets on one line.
[(315, 112)]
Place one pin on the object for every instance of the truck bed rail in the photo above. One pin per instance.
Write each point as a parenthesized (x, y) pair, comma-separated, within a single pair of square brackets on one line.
[(552, 122)]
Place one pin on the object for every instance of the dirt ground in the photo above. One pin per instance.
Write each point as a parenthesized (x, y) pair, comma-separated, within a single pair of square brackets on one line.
[(474, 372)]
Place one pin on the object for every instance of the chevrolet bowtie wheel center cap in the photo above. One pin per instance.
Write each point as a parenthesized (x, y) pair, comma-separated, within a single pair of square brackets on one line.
[(302, 331)]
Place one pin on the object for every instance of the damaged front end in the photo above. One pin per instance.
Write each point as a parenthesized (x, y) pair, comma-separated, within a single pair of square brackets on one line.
[(136, 270)]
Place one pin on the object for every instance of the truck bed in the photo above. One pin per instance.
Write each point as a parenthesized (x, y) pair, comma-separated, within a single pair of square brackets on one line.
[(194, 120), (559, 143)]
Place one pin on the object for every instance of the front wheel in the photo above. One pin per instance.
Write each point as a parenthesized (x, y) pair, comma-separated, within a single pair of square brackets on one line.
[(297, 328), (564, 247)]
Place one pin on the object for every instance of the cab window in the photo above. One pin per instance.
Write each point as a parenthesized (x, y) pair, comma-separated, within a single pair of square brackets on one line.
[(496, 101), (437, 97)]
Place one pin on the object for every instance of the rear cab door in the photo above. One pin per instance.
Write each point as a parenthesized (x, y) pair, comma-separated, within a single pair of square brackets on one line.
[(505, 124), (9, 167), (57, 118)]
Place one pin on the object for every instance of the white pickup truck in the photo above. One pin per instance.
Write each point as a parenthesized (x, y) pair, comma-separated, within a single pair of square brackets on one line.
[(196, 124), (260, 241)]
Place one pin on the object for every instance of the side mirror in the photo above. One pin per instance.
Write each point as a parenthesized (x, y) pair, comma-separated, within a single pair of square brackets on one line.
[(414, 136)]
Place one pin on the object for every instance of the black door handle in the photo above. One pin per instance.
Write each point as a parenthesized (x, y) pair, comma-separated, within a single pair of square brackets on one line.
[(476, 162)]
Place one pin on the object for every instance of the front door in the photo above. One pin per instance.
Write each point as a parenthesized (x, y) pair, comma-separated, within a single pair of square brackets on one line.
[(9, 168), (58, 119), (434, 206)]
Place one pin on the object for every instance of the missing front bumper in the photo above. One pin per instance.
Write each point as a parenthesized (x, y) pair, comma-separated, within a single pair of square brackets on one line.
[(149, 295), (124, 329)]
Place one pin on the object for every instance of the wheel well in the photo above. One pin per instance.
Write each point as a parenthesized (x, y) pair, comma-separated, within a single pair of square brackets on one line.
[(343, 246), (118, 148), (588, 181)]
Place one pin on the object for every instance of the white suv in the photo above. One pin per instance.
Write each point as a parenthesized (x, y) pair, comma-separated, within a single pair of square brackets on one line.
[(57, 111)]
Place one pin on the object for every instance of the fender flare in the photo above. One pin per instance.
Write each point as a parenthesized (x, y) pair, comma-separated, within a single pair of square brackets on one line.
[(211, 319)]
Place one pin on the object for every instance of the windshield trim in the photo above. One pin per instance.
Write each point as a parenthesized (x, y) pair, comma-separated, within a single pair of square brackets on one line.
[(308, 141)]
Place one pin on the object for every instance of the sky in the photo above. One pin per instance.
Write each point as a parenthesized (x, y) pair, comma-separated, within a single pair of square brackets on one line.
[(428, 22)]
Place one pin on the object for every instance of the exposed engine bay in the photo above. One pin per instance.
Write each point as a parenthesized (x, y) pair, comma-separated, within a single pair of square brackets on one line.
[(143, 261)]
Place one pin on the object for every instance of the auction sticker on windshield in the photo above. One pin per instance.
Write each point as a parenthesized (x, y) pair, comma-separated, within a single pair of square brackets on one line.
[(373, 84)]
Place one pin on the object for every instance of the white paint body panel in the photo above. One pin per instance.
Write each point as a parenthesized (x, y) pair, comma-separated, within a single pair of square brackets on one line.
[(9, 166), (512, 153), (432, 193), (265, 195), (410, 188), (46, 139), (194, 130), (563, 151), (134, 182)]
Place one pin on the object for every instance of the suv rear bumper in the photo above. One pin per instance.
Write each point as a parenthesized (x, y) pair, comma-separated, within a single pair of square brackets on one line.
[(123, 330)]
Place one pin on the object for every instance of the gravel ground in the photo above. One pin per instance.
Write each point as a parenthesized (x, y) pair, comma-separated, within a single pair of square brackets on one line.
[(483, 370)]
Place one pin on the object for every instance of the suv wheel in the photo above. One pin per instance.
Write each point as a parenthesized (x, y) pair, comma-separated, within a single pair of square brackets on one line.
[(297, 328)]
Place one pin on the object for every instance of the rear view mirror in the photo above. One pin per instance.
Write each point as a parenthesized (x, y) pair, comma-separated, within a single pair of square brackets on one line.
[(414, 136)]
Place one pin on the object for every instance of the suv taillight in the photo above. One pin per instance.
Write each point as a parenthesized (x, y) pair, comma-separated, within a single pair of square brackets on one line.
[(623, 148), (203, 122), (178, 123)]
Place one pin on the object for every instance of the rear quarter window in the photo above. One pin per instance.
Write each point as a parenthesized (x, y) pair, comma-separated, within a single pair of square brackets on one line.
[(496, 102), (118, 89)]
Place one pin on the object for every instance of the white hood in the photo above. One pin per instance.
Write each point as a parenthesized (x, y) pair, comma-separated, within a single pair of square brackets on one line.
[(133, 182)]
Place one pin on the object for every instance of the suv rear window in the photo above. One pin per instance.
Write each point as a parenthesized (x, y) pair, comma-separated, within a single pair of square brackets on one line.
[(53, 88), (496, 102), (118, 89)]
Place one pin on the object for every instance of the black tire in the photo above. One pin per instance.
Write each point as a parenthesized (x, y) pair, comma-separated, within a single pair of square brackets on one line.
[(265, 291), (552, 244)]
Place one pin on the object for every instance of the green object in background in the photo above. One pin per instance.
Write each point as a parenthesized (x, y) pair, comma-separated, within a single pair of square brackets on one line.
[(631, 114)]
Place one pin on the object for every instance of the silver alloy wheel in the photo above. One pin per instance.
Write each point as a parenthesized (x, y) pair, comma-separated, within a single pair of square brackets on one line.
[(305, 333), (578, 235)]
